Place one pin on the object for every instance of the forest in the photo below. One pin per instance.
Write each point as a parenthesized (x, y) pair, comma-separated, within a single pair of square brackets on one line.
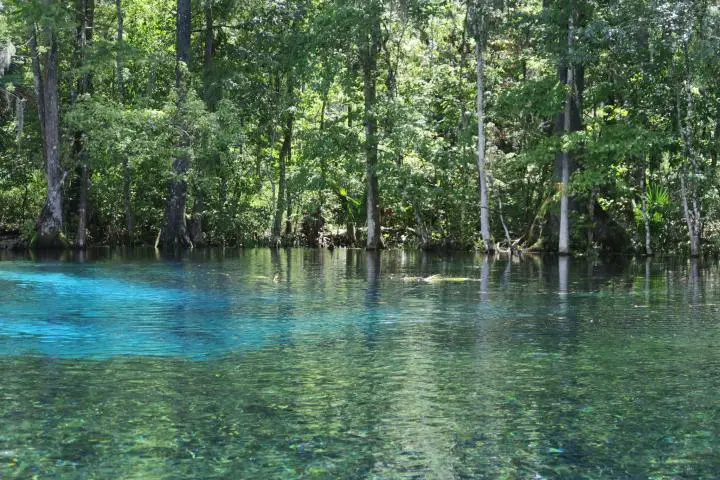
[(563, 126)]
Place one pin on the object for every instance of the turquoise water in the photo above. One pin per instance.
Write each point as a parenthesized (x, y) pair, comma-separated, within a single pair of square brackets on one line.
[(315, 364)]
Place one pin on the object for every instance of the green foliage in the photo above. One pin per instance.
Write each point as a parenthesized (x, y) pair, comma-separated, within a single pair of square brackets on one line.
[(647, 86)]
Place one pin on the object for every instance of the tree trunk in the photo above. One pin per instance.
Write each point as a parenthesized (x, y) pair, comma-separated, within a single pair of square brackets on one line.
[(224, 218), (280, 201), (82, 206), (129, 220), (511, 247), (288, 216), (285, 157), (39, 83), (645, 215), (174, 233), (564, 234), (422, 230), (369, 61), (689, 220), (482, 173), (195, 231), (323, 160), (208, 51), (50, 223), (183, 25), (85, 20), (464, 50), (350, 233), (120, 39), (83, 37), (287, 143), (691, 204), (591, 220), (716, 138), (576, 88)]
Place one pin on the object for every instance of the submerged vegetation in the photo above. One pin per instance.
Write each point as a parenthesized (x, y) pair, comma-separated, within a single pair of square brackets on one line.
[(562, 126), (312, 364)]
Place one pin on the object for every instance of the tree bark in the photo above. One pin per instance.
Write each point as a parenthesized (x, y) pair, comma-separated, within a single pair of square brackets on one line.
[(129, 219), (85, 20), (183, 25), (208, 51), (195, 229), (564, 234), (39, 83), (576, 88), (591, 220), (288, 216), (50, 223), (285, 152), (422, 230), (350, 233), (511, 247), (481, 163), (464, 50), (689, 219), (716, 138), (371, 48), (287, 143), (120, 43), (82, 206), (645, 215), (175, 233), (691, 204)]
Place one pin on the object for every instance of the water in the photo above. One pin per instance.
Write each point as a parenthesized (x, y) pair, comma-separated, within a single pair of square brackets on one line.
[(312, 364)]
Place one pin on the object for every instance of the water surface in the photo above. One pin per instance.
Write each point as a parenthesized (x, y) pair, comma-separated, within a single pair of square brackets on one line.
[(313, 364)]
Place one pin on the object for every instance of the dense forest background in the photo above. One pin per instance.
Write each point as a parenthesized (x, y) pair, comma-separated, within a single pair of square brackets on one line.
[(556, 125)]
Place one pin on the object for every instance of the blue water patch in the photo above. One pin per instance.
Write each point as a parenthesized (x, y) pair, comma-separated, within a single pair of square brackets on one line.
[(77, 311), (202, 310)]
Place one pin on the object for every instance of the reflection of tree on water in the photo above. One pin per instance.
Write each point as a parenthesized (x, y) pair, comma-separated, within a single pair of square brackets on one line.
[(647, 283), (284, 317), (619, 387), (372, 263), (372, 314), (484, 278), (695, 282), (557, 401), (563, 264), (413, 440)]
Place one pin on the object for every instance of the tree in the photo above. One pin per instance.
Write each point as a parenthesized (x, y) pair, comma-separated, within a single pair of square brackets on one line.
[(44, 51), (564, 234), (85, 18), (174, 232), (481, 21), (369, 52), (348, 112)]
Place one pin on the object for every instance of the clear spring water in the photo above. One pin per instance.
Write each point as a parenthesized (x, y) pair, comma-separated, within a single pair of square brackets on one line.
[(314, 364)]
